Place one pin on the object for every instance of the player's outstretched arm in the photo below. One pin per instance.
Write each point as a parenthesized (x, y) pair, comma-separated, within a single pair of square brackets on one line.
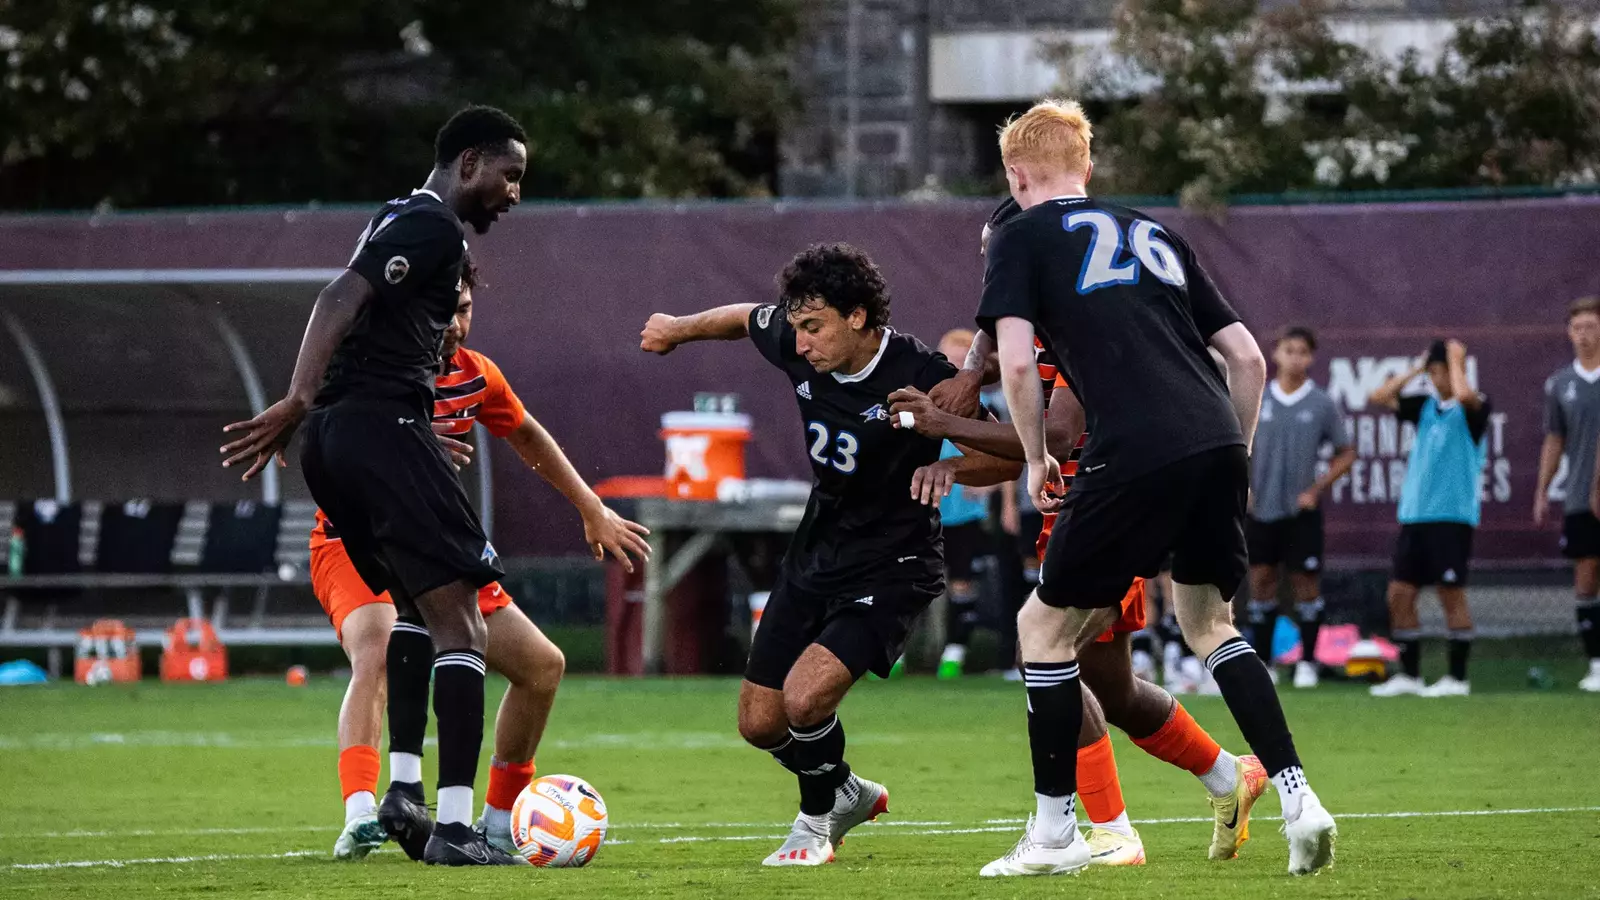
[(931, 483), (1456, 358), (1247, 374), (663, 333), (268, 434), (1019, 375), (1062, 427), (603, 530), (1388, 394), (958, 396)]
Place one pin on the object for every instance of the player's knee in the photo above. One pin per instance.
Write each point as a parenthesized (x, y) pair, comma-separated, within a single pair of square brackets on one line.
[(762, 727), (807, 704), (547, 666)]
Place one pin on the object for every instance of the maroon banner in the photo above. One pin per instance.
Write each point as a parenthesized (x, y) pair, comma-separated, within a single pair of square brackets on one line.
[(568, 289)]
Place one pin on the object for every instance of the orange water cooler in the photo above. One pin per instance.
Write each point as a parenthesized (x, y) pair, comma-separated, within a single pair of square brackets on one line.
[(107, 651), (703, 450), (193, 653)]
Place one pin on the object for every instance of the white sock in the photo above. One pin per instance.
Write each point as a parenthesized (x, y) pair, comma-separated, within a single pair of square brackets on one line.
[(496, 820), (1119, 825), (1594, 667), (817, 825), (1292, 791), (1224, 775), (359, 805), (1056, 821), (956, 653), (405, 768), (455, 805)]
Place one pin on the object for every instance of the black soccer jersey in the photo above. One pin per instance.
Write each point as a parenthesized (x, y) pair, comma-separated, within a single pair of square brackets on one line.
[(861, 526), (411, 254), (1127, 311)]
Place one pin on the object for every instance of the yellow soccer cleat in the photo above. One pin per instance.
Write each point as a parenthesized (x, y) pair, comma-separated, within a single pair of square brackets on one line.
[(1108, 848), (1232, 812)]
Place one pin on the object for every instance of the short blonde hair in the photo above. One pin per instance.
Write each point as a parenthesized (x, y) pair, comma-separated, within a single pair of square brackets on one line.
[(958, 334), (1054, 133)]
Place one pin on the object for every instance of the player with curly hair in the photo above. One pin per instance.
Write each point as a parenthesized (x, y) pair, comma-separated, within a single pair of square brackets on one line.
[(867, 559)]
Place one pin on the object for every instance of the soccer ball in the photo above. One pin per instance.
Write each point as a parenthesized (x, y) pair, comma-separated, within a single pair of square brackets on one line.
[(559, 822)]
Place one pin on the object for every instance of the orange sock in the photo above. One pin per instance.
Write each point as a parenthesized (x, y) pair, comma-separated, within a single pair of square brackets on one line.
[(1098, 787), (358, 770), (506, 781), (1182, 742)]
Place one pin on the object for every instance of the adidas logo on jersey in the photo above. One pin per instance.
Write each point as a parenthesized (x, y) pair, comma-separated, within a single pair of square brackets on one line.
[(804, 390)]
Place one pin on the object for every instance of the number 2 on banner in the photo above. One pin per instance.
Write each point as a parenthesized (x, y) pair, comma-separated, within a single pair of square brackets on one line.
[(1100, 267)]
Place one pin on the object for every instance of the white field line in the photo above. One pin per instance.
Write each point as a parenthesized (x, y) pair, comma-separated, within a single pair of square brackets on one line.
[(641, 740), (990, 826)]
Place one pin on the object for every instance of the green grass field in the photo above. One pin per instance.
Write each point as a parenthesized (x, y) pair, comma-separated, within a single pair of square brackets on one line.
[(230, 790)]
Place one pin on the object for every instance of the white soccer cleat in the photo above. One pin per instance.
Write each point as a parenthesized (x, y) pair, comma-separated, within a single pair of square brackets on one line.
[(1591, 682), (803, 847), (1311, 837), (361, 836), (858, 802), (1110, 848), (1397, 686), (1028, 858), (1305, 675), (1447, 687)]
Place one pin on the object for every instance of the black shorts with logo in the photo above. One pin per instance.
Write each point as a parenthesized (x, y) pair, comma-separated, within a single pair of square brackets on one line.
[(1434, 553), (867, 631), (1580, 536), (377, 471), (965, 548), (1296, 541), (1193, 509)]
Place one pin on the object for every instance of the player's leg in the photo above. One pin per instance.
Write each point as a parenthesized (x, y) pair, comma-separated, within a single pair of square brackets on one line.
[(1413, 568), (1208, 563), (1112, 838), (1265, 548), (533, 665), (1586, 588), (1453, 547), (961, 616), (1305, 581), (409, 666), (364, 635)]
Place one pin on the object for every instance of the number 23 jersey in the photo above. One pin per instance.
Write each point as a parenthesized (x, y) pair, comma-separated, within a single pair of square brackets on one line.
[(861, 526)]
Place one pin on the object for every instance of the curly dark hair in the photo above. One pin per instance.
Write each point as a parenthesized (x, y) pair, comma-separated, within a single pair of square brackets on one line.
[(481, 128), (841, 276), (1299, 333), (469, 270)]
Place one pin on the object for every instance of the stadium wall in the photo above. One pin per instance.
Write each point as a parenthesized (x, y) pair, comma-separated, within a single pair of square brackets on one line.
[(568, 288)]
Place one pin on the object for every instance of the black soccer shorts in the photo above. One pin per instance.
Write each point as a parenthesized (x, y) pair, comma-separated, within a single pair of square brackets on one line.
[(1296, 541), (1434, 553), (378, 472), (1580, 536), (1106, 537), (867, 631)]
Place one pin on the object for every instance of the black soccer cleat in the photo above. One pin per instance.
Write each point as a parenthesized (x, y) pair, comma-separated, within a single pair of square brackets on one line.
[(405, 819), (454, 844)]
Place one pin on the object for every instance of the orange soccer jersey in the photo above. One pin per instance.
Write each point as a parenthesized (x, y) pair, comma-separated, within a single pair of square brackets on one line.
[(471, 390), (1133, 602)]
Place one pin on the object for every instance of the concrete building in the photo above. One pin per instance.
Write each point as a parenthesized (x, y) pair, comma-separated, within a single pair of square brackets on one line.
[(894, 90)]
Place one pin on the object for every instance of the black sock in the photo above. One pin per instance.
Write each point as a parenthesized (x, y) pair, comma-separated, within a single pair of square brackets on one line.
[(960, 617), (819, 764), (458, 708), (1309, 613), (1055, 715), (1410, 644), (783, 752), (1460, 649), (410, 664), (1248, 691), (1589, 625), (1263, 617)]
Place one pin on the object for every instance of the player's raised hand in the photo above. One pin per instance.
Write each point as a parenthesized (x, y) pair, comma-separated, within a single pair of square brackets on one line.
[(931, 483), (460, 452), (926, 417), (606, 532), (265, 436), (1045, 485), (958, 396), (657, 335)]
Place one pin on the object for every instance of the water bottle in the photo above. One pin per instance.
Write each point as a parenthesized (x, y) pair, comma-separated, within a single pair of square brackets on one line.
[(16, 549)]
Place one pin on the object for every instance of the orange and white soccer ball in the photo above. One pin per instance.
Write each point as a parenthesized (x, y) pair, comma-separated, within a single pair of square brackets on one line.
[(559, 822)]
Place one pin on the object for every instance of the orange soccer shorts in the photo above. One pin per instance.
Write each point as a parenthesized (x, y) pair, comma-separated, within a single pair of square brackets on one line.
[(341, 591)]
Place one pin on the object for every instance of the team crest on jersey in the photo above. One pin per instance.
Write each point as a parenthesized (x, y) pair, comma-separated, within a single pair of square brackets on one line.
[(876, 414), (764, 316), (489, 555), (394, 271)]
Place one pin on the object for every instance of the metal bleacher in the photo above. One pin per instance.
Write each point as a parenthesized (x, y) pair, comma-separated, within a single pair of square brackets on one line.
[(246, 608)]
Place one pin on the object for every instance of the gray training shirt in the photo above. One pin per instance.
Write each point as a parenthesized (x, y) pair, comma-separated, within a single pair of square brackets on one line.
[(1293, 430), (1572, 410)]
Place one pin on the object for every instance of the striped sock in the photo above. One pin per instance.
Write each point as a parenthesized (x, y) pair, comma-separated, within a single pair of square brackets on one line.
[(458, 677), (1248, 691)]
